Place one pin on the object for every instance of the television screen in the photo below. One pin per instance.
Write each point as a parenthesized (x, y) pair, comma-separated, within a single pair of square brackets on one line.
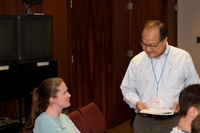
[(7, 39), (34, 38)]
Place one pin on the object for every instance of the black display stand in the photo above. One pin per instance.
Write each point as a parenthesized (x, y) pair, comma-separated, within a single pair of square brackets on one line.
[(32, 75), (9, 77), (18, 81), (10, 90)]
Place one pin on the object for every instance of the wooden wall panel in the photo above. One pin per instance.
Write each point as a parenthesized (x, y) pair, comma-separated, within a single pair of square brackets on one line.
[(95, 53), (170, 18), (90, 39), (118, 110), (81, 51), (61, 47), (141, 13), (102, 62)]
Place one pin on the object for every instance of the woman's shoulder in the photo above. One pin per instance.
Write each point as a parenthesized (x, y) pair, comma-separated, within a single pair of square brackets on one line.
[(45, 117), (64, 116)]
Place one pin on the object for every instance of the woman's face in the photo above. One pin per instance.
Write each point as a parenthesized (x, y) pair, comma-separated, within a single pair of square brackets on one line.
[(63, 96)]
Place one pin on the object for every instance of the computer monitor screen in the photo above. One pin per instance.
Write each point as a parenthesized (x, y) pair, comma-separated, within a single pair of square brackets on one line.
[(34, 38), (7, 39)]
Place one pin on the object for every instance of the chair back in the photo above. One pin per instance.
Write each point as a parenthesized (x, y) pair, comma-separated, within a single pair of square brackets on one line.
[(94, 118), (79, 121)]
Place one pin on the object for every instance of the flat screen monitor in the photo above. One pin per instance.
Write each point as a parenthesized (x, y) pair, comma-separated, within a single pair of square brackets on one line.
[(34, 38), (7, 39)]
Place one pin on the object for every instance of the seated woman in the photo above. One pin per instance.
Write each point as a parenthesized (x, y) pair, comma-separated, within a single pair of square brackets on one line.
[(48, 101)]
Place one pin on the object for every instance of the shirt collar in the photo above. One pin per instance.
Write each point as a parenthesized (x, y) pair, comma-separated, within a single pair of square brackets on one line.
[(167, 48)]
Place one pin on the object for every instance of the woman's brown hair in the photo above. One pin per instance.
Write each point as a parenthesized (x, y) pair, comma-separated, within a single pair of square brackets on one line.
[(40, 100)]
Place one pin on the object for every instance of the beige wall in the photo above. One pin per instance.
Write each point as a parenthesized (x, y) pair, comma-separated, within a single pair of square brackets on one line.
[(189, 28)]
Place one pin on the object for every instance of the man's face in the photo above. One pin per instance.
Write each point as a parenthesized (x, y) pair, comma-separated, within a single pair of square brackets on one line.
[(151, 43)]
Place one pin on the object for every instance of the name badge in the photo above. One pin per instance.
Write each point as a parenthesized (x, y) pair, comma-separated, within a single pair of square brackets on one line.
[(156, 102)]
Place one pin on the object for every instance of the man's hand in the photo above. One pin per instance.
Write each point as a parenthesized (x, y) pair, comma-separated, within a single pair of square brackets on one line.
[(141, 105), (176, 107)]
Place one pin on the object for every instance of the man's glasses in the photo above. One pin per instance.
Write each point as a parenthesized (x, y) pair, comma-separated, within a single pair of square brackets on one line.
[(149, 45)]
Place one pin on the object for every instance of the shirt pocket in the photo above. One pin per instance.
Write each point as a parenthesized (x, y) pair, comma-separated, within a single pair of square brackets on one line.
[(173, 79)]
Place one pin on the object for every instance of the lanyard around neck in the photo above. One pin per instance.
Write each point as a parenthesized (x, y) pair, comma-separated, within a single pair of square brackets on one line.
[(158, 80), (183, 129)]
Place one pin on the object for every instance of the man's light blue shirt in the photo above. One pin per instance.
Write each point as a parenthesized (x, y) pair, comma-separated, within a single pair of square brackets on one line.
[(139, 83)]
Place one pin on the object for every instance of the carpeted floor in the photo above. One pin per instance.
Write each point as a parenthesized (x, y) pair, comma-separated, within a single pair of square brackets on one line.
[(121, 128)]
